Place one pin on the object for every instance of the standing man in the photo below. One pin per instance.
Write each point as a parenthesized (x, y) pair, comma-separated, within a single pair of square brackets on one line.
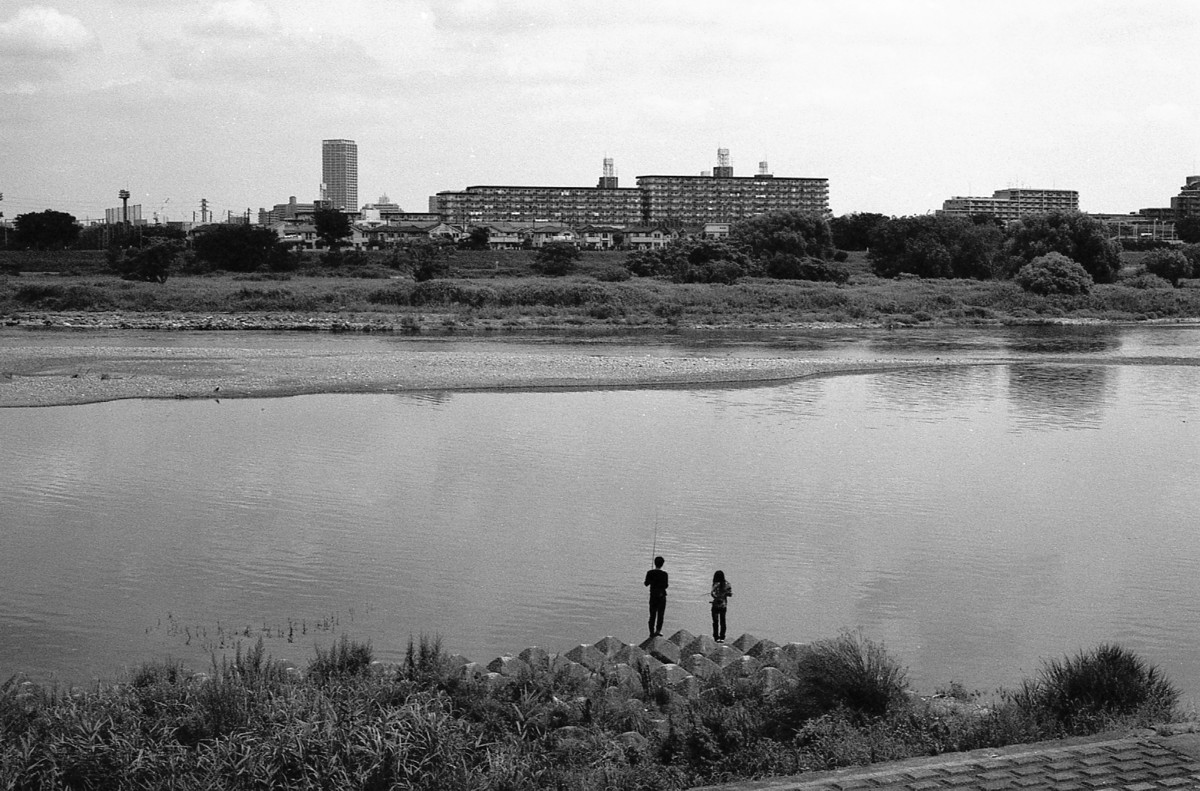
[(656, 580)]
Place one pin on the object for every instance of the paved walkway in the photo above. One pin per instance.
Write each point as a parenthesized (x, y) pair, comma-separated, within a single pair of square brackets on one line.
[(1136, 763)]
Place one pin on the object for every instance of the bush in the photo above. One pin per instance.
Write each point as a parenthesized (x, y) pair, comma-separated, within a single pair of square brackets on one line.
[(791, 267), (1054, 273), (151, 264), (1144, 280), (849, 672), (1095, 688), (556, 258), (1170, 265)]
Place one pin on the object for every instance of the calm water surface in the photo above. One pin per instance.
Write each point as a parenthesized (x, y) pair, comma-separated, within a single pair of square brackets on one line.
[(976, 519)]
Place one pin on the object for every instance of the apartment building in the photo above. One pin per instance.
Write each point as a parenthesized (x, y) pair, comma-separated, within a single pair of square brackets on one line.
[(339, 174), (1009, 205), (681, 200)]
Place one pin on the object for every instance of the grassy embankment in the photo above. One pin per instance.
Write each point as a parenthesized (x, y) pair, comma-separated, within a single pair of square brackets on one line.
[(496, 290), (430, 724)]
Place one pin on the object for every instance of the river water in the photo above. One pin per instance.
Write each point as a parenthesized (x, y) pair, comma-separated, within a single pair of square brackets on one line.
[(977, 519)]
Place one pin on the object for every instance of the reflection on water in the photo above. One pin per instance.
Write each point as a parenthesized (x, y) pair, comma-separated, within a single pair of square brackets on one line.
[(1063, 396), (978, 519)]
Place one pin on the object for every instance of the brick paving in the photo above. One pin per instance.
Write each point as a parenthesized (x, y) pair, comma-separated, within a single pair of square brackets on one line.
[(1133, 763)]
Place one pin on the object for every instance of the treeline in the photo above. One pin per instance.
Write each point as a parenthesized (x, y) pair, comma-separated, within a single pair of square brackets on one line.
[(1048, 254)]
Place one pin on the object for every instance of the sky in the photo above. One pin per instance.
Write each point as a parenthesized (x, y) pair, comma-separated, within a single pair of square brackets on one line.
[(901, 104)]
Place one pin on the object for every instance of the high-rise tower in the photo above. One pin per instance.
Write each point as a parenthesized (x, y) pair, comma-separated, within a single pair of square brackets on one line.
[(339, 174)]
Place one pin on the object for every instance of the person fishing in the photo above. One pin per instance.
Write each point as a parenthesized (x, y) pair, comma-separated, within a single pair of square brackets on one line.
[(721, 591), (656, 581)]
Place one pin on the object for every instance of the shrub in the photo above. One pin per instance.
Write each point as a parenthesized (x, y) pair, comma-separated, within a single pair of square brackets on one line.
[(1054, 273), (151, 263), (1095, 688), (612, 273), (1170, 265), (1143, 280), (556, 259), (849, 671), (791, 267)]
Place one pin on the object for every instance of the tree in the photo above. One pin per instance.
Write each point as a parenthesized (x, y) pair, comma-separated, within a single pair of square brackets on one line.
[(1170, 265), (425, 259), (239, 248), (1054, 273), (1188, 229), (1077, 236), (332, 227), (793, 232), (151, 263), (936, 246), (692, 261), (556, 258), (45, 230), (477, 239), (853, 231)]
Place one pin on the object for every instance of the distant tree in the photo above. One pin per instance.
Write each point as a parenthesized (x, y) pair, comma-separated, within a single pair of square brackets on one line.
[(556, 258), (1188, 229), (151, 263), (45, 230), (792, 232), (424, 259), (853, 231), (936, 246), (689, 260), (333, 227), (1052, 274), (1075, 235), (239, 248), (786, 266), (477, 239), (1170, 265)]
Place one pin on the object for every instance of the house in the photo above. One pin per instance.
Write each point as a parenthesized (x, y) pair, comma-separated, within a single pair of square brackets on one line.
[(715, 230), (542, 235), (601, 237), (299, 235), (504, 236), (648, 237)]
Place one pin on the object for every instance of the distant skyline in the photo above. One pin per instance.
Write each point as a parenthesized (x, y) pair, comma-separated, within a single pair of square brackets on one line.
[(901, 104)]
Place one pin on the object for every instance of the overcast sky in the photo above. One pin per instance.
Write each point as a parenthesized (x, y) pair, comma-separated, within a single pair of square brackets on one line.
[(900, 104)]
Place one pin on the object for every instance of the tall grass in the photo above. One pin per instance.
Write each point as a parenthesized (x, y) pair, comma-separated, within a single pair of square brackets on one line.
[(347, 723)]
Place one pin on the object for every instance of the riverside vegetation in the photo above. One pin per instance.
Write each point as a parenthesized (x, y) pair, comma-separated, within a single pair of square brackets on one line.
[(778, 270), (346, 722)]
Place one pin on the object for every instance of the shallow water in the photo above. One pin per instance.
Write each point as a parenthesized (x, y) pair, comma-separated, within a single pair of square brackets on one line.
[(977, 519)]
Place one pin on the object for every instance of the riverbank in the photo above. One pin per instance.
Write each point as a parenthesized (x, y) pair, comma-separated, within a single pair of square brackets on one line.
[(666, 714), (87, 366)]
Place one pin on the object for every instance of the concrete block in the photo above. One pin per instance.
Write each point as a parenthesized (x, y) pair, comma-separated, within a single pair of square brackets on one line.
[(701, 666), (664, 651), (537, 658), (741, 667), (509, 666), (701, 645), (724, 654), (588, 656), (745, 643), (682, 638), (608, 645)]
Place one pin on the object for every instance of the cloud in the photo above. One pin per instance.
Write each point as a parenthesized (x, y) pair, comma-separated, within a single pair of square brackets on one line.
[(43, 33), (238, 19)]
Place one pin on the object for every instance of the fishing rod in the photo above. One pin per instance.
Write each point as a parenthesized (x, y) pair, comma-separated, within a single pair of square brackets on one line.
[(654, 550)]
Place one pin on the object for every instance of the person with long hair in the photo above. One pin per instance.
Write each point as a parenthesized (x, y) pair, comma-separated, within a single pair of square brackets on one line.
[(721, 591)]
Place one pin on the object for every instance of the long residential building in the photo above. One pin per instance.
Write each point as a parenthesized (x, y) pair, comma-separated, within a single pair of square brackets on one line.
[(1012, 204), (720, 198)]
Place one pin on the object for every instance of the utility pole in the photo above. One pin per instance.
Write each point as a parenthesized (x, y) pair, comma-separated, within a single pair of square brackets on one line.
[(3, 224)]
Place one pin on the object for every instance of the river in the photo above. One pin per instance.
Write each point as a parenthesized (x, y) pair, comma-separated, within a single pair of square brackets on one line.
[(978, 519)]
